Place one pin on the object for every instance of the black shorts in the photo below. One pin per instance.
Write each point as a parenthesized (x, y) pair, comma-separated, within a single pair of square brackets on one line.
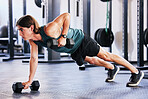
[(88, 47)]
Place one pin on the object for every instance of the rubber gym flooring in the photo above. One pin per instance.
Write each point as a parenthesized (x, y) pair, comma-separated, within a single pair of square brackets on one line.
[(65, 81)]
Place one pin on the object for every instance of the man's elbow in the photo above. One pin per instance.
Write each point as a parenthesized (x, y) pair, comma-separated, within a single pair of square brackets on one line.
[(67, 15)]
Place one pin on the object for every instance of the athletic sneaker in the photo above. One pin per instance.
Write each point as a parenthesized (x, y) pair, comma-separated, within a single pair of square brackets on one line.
[(82, 67), (135, 79), (112, 73)]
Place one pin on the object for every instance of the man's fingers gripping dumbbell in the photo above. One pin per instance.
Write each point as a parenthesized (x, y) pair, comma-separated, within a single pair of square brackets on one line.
[(26, 85), (61, 42)]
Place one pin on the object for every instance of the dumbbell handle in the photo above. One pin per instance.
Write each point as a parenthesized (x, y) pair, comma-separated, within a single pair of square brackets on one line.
[(31, 84), (69, 43)]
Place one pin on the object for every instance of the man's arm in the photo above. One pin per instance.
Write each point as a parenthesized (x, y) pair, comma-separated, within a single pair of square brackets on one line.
[(33, 63), (63, 21), (53, 28)]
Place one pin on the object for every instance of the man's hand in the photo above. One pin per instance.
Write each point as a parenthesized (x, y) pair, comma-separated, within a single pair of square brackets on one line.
[(26, 84), (61, 42)]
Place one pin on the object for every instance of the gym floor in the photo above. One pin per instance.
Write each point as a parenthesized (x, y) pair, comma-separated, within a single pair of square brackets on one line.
[(65, 81)]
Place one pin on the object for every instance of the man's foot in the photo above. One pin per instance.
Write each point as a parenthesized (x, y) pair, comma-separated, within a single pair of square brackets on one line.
[(112, 73), (135, 79), (82, 67)]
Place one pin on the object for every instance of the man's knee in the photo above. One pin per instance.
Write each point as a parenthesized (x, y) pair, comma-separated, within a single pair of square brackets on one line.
[(111, 57), (92, 60), (107, 57)]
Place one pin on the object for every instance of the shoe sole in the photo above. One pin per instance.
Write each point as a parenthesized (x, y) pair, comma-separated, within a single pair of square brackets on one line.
[(133, 85), (114, 75), (82, 67)]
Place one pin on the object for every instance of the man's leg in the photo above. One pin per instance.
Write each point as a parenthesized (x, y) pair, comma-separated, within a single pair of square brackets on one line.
[(137, 75), (99, 62), (117, 59)]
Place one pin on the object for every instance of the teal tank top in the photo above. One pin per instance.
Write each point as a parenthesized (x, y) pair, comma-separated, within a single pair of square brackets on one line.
[(76, 34)]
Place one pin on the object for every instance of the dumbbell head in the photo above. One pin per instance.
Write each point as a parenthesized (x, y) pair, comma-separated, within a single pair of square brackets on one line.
[(52, 43), (17, 87), (69, 43), (35, 86), (49, 43)]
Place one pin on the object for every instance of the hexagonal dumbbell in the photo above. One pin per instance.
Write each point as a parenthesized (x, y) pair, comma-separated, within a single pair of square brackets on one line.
[(53, 43), (18, 86)]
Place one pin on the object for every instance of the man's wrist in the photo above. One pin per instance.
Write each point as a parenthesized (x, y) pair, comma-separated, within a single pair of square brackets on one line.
[(30, 79), (64, 35)]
